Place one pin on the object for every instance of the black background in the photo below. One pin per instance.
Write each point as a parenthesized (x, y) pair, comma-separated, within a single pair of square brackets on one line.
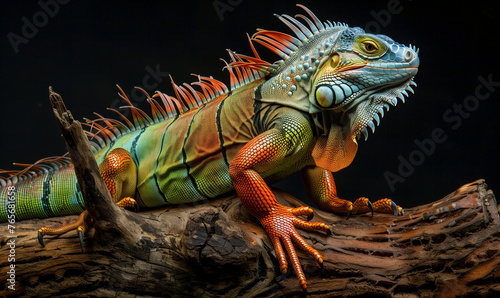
[(88, 46)]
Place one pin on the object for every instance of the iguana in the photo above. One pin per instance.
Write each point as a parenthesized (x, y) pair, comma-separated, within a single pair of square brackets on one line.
[(304, 113)]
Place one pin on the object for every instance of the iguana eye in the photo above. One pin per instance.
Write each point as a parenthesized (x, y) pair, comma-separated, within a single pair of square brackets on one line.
[(370, 46), (325, 96)]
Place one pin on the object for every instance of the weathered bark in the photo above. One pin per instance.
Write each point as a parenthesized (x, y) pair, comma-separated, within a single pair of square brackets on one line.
[(447, 248)]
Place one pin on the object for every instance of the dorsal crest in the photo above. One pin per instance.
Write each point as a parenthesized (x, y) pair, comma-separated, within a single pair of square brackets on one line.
[(243, 69)]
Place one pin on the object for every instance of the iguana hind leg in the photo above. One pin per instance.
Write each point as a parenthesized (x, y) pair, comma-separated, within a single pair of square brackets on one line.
[(119, 172)]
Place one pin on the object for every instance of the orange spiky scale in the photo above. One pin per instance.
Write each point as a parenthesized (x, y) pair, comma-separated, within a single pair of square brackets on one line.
[(247, 71), (109, 124), (233, 80), (287, 40), (129, 125), (277, 47), (245, 74), (207, 84), (238, 70), (156, 110), (125, 98), (192, 96), (95, 136), (207, 92), (167, 109), (180, 98), (106, 133), (186, 97), (117, 126), (171, 104), (218, 86), (37, 167), (195, 94), (176, 105), (254, 51)]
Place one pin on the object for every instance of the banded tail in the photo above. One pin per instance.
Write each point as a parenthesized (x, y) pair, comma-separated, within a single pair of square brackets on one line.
[(47, 188)]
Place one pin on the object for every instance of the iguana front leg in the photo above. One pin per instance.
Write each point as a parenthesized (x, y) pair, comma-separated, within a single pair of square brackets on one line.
[(321, 189), (265, 152), (119, 172)]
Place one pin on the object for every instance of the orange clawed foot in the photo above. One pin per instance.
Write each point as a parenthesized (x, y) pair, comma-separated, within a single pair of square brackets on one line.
[(128, 203), (280, 225), (82, 223), (387, 206)]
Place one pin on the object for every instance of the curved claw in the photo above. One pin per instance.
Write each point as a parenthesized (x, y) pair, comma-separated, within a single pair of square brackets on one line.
[(361, 205), (348, 214), (387, 206), (394, 208), (40, 238), (80, 235), (370, 205)]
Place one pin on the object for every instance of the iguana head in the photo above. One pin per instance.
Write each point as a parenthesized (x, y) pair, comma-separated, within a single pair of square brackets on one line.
[(344, 77), (363, 74)]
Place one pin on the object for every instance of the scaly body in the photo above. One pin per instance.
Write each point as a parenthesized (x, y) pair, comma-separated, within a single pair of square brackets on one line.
[(304, 113)]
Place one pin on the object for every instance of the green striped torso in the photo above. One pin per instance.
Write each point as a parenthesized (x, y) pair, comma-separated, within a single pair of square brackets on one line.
[(180, 160)]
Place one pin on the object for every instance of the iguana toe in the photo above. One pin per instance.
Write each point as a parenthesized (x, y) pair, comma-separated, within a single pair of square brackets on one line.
[(388, 206), (361, 205)]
